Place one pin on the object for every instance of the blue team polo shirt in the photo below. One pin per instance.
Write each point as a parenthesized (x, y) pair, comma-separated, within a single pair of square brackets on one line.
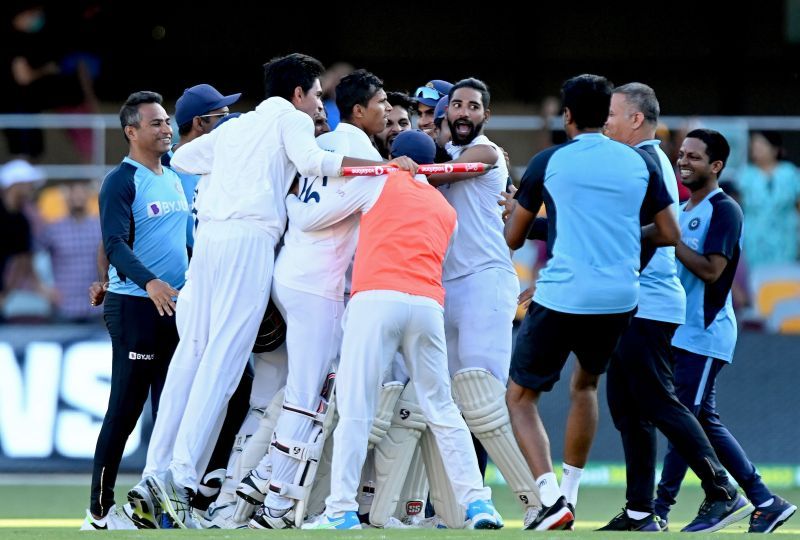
[(597, 193), (143, 216), (712, 227), (661, 295)]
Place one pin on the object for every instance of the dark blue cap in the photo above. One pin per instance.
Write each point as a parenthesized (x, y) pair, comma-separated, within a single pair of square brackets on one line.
[(432, 92), (199, 100), (441, 108), (414, 144)]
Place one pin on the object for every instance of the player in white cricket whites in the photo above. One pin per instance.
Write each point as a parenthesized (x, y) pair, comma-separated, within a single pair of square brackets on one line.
[(482, 289), (308, 288), (252, 163)]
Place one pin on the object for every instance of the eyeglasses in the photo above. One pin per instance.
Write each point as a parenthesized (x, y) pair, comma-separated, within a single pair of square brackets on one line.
[(215, 115), (426, 92)]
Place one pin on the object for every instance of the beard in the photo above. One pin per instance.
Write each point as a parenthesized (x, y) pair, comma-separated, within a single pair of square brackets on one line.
[(462, 140)]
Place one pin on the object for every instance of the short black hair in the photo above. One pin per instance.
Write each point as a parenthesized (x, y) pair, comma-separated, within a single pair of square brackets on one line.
[(475, 84), (283, 74), (588, 98), (357, 88), (717, 147), (402, 100), (129, 113)]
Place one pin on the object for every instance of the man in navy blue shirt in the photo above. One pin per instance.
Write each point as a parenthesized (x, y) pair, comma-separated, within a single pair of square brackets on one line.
[(143, 213), (641, 393), (597, 193), (711, 229)]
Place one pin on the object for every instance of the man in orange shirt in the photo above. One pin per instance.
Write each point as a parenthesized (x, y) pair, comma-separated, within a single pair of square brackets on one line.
[(396, 302)]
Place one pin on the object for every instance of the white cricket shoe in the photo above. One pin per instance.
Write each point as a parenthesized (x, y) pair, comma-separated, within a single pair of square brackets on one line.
[(116, 520)]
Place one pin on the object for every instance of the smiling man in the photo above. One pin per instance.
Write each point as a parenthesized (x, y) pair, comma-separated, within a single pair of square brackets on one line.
[(398, 121), (709, 250), (143, 214)]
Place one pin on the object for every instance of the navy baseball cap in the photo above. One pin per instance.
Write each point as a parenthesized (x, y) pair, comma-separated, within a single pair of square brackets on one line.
[(414, 144), (432, 92), (199, 100), (441, 109)]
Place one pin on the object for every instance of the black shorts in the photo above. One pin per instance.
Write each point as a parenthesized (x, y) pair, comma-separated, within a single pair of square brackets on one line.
[(546, 337)]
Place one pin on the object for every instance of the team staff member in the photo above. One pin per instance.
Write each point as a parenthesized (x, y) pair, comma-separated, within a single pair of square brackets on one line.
[(143, 213), (641, 394), (709, 250), (589, 184)]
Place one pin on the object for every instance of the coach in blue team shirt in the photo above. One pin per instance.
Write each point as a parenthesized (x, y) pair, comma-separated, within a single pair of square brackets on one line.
[(143, 213), (598, 193), (640, 381), (711, 228)]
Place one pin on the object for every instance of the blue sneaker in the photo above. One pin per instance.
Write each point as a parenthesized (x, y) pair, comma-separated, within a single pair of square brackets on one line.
[(348, 520), (482, 515), (715, 515), (768, 518)]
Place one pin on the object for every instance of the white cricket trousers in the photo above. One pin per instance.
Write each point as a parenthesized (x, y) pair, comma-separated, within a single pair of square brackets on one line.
[(478, 319), (226, 293), (376, 325), (313, 336)]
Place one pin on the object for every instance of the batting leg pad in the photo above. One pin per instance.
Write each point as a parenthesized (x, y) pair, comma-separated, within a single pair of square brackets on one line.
[(481, 398), (254, 451), (415, 490), (442, 496), (393, 455), (389, 394)]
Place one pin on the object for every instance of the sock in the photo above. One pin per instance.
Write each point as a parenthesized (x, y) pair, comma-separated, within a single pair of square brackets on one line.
[(767, 503), (548, 488), (633, 514), (570, 482)]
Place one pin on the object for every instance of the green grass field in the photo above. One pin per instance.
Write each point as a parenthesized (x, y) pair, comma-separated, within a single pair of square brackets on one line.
[(55, 512)]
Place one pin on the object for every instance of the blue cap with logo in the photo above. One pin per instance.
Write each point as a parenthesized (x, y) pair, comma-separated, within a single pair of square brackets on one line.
[(432, 92), (414, 144), (199, 100)]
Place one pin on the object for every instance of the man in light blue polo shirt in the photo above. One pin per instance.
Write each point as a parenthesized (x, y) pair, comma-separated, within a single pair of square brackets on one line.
[(597, 193)]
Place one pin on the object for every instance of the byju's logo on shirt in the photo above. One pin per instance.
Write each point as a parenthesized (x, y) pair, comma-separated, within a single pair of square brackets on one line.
[(139, 356), (162, 208)]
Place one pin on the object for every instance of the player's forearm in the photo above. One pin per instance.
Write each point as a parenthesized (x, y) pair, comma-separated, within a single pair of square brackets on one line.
[(697, 263)]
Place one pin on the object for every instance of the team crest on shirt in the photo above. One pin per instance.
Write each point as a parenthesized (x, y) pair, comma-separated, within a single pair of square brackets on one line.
[(694, 224)]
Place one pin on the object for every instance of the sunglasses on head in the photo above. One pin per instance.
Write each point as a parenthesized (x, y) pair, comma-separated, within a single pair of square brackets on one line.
[(426, 92)]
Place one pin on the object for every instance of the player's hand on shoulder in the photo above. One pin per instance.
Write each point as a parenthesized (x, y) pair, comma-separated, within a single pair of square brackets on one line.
[(161, 293)]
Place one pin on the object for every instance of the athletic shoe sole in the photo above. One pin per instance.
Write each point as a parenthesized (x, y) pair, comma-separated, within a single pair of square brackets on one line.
[(163, 496), (789, 512), (144, 515), (731, 518)]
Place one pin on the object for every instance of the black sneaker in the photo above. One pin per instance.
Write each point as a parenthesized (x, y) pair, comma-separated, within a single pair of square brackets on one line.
[(571, 525), (767, 519), (553, 518), (715, 515), (623, 522)]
